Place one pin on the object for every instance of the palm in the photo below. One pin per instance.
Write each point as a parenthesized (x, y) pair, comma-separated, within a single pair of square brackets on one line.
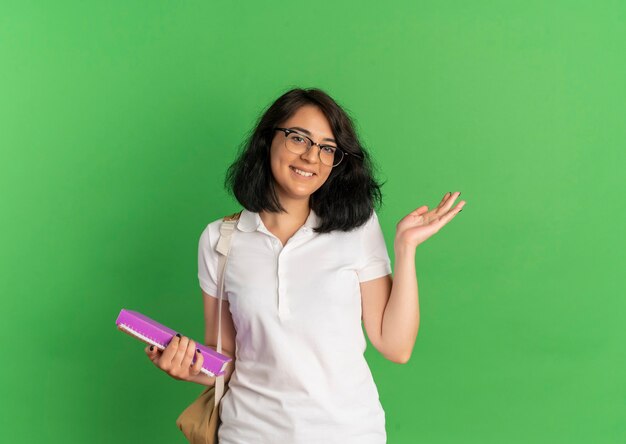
[(422, 223)]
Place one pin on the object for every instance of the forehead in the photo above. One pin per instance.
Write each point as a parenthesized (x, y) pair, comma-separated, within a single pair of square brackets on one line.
[(311, 121)]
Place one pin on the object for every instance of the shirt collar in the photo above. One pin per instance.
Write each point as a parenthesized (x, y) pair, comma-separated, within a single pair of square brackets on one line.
[(251, 221)]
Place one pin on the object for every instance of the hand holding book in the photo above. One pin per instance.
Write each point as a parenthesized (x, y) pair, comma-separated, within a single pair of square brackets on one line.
[(177, 355), (176, 360)]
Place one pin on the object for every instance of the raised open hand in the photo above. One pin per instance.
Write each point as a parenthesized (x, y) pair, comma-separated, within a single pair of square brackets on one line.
[(420, 224)]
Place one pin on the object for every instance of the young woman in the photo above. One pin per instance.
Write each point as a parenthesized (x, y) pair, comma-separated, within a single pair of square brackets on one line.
[(307, 264)]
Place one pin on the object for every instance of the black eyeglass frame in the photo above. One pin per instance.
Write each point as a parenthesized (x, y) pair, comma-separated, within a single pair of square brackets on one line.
[(288, 130)]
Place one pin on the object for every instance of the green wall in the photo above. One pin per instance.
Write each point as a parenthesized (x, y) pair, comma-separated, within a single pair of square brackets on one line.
[(118, 120)]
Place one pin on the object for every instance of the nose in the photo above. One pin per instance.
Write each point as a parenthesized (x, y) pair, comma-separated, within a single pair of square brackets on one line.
[(312, 154)]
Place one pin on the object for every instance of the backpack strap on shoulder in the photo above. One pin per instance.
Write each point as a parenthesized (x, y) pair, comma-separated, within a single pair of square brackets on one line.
[(223, 247), (234, 216), (226, 229)]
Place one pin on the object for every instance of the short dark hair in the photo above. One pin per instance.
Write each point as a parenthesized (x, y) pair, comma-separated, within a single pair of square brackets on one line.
[(350, 194)]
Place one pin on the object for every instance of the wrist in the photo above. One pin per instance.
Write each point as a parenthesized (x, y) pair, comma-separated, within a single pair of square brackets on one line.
[(203, 379), (403, 249)]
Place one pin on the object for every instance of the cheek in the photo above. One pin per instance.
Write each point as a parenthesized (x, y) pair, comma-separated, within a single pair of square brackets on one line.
[(275, 161), (278, 157), (324, 176)]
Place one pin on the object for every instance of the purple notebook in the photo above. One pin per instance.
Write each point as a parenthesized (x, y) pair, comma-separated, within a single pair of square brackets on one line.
[(151, 332)]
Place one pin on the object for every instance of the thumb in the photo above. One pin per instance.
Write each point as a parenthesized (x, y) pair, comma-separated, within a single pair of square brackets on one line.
[(421, 210)]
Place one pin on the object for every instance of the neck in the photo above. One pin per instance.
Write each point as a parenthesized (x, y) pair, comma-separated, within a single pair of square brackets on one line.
[(297, 211)]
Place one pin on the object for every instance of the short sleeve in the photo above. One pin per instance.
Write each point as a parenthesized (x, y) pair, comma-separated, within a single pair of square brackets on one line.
[(208, 261), (374, 260)]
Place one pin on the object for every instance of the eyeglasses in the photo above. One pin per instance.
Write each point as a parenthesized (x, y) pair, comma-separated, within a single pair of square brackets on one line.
[(299, 144)]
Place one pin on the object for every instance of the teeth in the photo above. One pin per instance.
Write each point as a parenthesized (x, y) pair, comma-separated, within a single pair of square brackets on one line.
[(302, 173)]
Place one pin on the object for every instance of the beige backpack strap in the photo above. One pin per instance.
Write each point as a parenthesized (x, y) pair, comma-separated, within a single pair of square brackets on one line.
[(223, 247)]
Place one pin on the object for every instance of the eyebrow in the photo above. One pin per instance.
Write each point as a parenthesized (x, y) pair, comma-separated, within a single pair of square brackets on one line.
[(308, 133)]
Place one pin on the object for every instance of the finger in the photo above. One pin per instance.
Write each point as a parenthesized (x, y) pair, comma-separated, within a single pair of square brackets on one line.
[(153, 353), (180, 353), (420, 210), (449, 215), (450, 201), (443, 201), (171, 349), (191, 350), (195, 368)]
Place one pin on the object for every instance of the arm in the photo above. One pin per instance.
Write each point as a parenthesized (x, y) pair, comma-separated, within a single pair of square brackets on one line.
[(210, 336), (391, 309)]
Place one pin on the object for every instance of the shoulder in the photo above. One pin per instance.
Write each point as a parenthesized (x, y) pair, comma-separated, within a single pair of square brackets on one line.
[(373, 219), (371, 223), (357, 232), (356, 235), (371, 232), (211, 232)]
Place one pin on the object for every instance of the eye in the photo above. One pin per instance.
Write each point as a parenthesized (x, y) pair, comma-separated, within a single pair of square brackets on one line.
[(296, 138), (329, 149)]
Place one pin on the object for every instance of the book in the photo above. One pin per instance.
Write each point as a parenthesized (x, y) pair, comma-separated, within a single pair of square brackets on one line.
[(151, 332)]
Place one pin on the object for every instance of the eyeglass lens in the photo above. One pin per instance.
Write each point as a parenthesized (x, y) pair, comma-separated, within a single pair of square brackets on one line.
[(329, 155)]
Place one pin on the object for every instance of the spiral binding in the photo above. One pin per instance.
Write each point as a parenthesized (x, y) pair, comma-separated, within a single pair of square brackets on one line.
[(152, 341)]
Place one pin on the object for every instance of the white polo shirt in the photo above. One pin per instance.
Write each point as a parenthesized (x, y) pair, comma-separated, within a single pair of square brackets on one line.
[(300, 375)]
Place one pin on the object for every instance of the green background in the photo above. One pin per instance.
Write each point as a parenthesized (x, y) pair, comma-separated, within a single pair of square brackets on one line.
[(118, 120)]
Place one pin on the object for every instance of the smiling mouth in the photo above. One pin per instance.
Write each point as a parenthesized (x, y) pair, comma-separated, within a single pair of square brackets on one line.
[(301, 172)]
